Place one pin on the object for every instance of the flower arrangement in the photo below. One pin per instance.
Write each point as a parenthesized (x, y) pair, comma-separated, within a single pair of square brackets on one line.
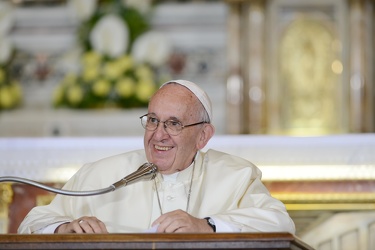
[(120, 58), (10, 89)]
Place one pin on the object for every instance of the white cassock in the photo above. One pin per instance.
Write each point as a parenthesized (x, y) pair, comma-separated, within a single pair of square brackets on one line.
[(224, 187)]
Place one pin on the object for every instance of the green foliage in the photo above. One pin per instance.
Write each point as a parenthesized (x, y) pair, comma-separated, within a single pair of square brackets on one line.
[(136, 22), (10, 90)]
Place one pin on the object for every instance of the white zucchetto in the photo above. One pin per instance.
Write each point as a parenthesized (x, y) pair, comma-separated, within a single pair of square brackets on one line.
[(198, 92)]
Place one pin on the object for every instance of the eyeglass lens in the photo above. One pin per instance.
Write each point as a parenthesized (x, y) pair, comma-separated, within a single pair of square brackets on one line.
[(151, 123)]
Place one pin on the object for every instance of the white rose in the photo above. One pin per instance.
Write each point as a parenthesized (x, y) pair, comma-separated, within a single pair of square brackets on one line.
[(143, 6), (110, 36), (151, 47), (6, 48), (6, 18), (82, 9)]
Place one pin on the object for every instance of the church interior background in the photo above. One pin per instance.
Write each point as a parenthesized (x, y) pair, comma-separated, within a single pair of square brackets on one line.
[(292, 84)]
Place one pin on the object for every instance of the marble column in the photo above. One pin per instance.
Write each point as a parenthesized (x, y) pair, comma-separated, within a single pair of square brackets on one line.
[(361, 57), (234, 97), (245, 82)]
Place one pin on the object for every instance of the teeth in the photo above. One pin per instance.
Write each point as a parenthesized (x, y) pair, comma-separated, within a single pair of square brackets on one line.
[(162, 148)]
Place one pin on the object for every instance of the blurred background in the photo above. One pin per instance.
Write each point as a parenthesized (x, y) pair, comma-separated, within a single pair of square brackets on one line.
[(270, 67), (291, 80)]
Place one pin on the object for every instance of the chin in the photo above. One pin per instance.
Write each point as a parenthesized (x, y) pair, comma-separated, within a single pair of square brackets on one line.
[(163, 168)]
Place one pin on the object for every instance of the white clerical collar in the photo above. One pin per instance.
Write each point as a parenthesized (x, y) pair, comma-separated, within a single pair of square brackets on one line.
[(173, 177), (170, 177)]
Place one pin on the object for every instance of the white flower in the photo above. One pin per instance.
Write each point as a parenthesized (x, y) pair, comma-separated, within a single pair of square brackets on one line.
[(82, 9), (143, 6), (110, 36), (6, 17), (151, 47), (6, 48)]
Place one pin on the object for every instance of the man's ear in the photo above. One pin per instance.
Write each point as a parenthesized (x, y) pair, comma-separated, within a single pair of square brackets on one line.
[(205, 135)]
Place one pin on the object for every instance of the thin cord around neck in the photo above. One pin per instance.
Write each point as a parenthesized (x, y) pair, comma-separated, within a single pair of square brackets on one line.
[(189, 193)]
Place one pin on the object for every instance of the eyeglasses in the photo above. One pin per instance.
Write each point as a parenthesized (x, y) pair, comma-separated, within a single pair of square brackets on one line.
[(173, 127)]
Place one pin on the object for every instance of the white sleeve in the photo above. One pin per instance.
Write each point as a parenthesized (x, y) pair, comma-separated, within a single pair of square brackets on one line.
[(224, 227), (50, 229)]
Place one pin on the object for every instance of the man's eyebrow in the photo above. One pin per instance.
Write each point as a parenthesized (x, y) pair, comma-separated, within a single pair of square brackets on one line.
[(170, 118), (174, 118)]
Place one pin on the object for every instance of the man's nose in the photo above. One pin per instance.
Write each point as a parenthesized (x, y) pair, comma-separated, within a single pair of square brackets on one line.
[(161, 129)]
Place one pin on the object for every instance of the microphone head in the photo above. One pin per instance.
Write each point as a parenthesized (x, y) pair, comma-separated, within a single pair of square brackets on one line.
[(147, 171)]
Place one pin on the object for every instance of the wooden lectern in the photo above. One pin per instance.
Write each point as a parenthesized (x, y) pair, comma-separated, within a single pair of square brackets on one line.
[(152, 241)]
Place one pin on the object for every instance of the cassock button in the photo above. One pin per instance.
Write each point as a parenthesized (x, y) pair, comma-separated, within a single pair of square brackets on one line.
[(169, 198)]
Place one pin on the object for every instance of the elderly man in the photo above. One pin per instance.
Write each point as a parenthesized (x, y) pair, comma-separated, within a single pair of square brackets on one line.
[(193, 191)]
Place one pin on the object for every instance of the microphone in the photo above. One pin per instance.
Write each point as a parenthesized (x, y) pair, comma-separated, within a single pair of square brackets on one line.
[(147, 171)]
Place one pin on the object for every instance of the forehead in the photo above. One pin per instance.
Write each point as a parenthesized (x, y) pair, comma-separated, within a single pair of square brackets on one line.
[(173, 100)]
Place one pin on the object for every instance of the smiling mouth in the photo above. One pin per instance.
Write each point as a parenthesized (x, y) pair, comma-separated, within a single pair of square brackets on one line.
[(162, 148)]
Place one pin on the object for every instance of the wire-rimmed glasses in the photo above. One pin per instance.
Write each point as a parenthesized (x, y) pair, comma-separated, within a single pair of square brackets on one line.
[(173, 127)]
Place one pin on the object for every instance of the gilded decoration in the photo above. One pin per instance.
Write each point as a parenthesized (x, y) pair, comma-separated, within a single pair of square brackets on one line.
[(327, 201), (6, 196), (310, 70)]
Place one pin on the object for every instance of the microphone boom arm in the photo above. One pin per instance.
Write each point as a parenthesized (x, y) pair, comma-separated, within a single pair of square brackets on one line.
[(146, 171)]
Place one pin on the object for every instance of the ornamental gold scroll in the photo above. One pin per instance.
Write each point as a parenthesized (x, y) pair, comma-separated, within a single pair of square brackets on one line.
[(310, 78)]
